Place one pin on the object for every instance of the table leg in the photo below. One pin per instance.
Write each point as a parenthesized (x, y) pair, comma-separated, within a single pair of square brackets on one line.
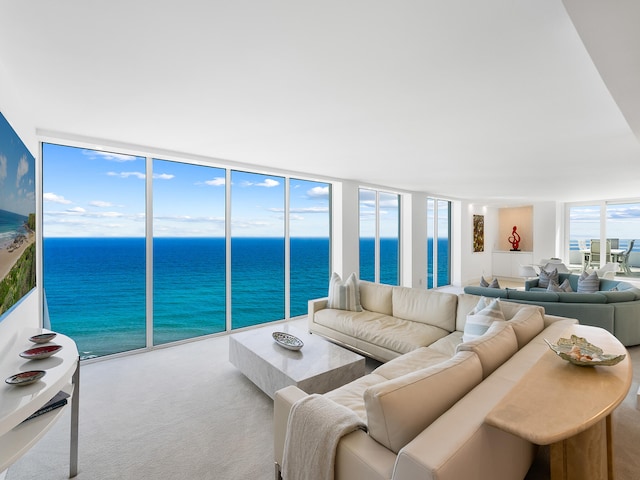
[(75, 409), (585, 456)]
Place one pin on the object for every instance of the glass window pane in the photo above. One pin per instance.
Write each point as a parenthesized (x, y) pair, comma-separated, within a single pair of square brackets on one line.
[(623, 226), (444, 247), (367, 234), (257, 248), (94, 247), (584, 225), (309, 233), (389, 213), (189, 273), (431, 232)]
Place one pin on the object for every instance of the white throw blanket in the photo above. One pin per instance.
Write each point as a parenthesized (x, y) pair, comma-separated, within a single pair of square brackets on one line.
[(314, 429)]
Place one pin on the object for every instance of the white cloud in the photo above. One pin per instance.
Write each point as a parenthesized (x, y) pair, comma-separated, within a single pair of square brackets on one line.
[(114, 157), (139, 175), (76, 210), (52, 197), (216, 182), (268, 183), (101, 204), (163, 176), (23, 169), (319, 192)]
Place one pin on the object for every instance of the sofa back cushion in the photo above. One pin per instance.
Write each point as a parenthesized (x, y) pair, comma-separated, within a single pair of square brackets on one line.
[(619, 296), (494, 347), (527, 323), (399, 409), (376, 297), (533, 296), (425, 306), (575, 297)]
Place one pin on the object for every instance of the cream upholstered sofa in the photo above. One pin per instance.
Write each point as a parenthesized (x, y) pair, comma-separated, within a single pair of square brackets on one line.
[(424, 410)]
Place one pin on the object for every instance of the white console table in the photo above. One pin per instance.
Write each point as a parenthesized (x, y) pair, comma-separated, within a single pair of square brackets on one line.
[(19, 402)]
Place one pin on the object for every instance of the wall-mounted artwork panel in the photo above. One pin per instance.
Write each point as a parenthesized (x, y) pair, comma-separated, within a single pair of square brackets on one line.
[(478, 233), (17, 218)]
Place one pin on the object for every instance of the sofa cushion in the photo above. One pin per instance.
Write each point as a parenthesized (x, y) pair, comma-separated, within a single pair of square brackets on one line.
[(563, 287), (620, 296), (494, 347), (399, 409), (447, 345), (527, 323), (376, 297), (485, 291), (533, 296), (481, 317), (344, 295), (576, 297), (547, 277), (391, 333), (588, 282), (426, 306), (417, 359), (351, 395)]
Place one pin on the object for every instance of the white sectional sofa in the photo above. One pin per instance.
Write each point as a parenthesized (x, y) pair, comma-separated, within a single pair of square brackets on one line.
[(424, 409)]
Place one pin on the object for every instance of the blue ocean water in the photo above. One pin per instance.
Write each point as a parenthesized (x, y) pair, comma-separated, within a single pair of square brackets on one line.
[(95, 287)]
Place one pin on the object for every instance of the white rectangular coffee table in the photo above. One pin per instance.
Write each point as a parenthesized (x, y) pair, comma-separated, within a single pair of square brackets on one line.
[(320, 366)]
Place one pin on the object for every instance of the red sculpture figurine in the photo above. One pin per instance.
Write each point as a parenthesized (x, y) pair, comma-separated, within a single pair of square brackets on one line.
[(514, 240)]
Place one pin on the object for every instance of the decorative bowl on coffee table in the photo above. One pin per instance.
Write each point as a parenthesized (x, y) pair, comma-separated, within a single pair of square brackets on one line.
[(287, 341)]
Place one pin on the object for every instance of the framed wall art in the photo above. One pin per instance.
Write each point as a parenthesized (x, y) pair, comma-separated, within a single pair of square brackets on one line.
[(478, 233)]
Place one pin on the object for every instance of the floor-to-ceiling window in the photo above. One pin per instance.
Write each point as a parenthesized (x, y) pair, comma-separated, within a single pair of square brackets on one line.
[(94, 247), (257, 248), (309, 232), (438, 242), (141, 251), (189, 267), (623, 230), (379, 236), (621, 225)]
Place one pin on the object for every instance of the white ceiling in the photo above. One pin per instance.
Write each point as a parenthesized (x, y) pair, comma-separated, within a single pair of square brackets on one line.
[(496, 100)]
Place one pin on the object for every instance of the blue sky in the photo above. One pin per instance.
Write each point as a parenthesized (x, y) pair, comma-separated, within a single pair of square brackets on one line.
[(623, 221), (17, 173), (92, 193)]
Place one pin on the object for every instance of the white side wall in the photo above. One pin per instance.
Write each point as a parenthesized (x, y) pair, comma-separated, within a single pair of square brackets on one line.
[(345, 229)]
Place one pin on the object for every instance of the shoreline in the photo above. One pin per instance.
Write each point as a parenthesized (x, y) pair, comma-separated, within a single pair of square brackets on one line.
[(9, 258)]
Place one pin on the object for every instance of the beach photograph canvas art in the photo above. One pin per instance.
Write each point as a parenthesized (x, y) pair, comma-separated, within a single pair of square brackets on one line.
[(17, 218)]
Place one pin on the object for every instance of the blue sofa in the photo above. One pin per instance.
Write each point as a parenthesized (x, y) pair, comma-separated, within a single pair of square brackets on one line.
[(617, 311)]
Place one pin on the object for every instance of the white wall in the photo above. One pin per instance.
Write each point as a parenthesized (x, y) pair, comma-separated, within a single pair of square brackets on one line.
[(18, 118), (472, 264)]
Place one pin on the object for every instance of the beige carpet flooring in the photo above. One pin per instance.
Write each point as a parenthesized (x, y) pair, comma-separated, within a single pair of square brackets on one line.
[(185, 412)]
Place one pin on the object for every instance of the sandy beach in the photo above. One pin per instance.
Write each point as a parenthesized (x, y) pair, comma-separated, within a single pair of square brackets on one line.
[(8, 259)]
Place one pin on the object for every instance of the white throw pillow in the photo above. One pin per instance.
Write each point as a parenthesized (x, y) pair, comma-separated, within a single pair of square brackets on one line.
[(480, 318), (344, 295), (588, 283)]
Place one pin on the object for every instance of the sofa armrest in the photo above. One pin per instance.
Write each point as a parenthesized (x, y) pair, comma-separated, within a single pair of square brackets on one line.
[(282, 402), (529, 284), (316, 305)]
